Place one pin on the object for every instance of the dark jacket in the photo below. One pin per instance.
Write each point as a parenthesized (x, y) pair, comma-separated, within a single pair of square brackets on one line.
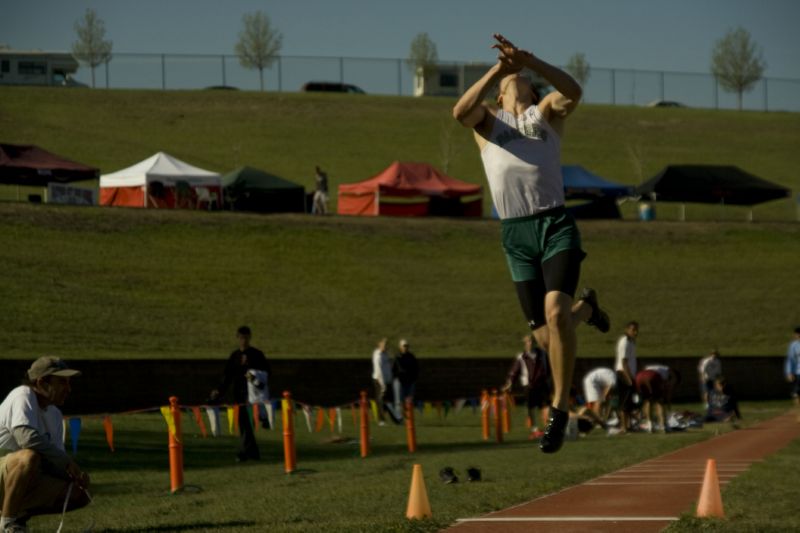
[(537, 366), (236, 368), (405, 368)]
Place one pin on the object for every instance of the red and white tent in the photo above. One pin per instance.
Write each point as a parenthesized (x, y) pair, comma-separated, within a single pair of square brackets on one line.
[(410, 189), (162, 181)]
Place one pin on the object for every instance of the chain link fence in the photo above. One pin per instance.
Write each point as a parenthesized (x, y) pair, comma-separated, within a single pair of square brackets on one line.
[(395, 77)]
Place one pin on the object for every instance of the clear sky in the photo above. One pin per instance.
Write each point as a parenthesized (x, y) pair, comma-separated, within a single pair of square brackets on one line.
[(670, 35)]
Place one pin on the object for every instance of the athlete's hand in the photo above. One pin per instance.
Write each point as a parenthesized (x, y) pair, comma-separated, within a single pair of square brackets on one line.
[(510, 57)]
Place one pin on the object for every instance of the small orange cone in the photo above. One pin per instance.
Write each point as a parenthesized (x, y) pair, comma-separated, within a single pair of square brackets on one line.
[(418, 505), (710, 503)]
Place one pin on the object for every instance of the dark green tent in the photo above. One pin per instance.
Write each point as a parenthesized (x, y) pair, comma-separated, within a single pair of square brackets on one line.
[(250, 189)]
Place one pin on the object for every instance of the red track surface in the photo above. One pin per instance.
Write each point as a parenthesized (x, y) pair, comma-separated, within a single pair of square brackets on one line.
[(645, 497)]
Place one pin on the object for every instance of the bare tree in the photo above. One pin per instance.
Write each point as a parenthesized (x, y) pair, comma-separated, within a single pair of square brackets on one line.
[(91, 46), (579, 68), (422, 55), (258, 44), (737, 62)]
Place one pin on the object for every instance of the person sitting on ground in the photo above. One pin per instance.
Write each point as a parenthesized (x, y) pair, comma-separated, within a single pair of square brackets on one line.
[(723, 406), (533, 371), (36, 474)]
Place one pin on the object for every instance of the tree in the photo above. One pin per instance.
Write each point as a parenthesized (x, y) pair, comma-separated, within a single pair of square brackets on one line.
[(737, 62), (579, 68), (258, 44), (422, 54), (91, 47)]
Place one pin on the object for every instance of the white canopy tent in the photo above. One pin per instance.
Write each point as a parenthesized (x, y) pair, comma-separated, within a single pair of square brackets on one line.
[(162, 181)]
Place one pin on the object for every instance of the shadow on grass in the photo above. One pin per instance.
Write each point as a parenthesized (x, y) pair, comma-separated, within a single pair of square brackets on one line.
[(209, 526), (141, 456)]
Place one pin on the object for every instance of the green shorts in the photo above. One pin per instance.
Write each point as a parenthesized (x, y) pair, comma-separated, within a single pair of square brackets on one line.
[(530, 241)]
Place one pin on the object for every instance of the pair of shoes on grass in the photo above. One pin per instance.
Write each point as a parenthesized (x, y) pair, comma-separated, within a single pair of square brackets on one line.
[(447, 475)]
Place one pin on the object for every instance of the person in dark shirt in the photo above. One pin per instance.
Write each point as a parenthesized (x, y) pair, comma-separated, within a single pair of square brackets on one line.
[(241, 360), (532, 369), (405, 370)]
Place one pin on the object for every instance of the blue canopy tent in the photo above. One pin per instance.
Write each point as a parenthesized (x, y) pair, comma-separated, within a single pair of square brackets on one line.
[(580, 184)]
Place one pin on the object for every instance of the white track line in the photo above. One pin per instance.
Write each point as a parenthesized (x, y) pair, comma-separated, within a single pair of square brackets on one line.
[(573, 519), (721, 481)]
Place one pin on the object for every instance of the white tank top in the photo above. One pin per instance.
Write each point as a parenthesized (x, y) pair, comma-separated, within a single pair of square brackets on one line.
[(522, 161)]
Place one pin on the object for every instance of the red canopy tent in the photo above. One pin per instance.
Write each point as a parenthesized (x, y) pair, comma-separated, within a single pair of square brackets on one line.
[(410, 189), (32, 166)]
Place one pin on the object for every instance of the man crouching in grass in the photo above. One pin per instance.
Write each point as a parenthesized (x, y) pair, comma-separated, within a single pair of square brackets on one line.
[(36, 474)]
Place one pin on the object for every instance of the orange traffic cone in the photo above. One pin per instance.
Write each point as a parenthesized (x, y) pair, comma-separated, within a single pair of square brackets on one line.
[(418, 505), (710, 503)]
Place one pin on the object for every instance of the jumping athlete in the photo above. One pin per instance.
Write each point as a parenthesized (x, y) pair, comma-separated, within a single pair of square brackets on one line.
[(520, 144)]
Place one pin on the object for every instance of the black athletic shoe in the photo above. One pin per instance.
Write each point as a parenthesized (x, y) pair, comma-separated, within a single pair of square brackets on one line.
[(554, 432), (599, 318)]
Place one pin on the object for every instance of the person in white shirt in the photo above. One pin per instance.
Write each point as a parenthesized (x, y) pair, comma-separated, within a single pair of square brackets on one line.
[(381, 378), (625, 367), (35, 470), (709, 369), (520, 145), (599, 386)]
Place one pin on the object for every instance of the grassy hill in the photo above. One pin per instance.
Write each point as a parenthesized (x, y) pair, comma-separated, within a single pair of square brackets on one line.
[(356, 136), (101, 282), (128, 283)]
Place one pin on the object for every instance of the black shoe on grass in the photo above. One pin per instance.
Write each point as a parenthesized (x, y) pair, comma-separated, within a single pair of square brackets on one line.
[(553, 436), (599, 318)]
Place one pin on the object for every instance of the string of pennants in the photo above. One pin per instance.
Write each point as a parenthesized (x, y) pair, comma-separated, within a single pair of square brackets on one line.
[(263, 414)]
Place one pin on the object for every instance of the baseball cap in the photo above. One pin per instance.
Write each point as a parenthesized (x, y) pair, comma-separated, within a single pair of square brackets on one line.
[(403, 342), (50, 366)]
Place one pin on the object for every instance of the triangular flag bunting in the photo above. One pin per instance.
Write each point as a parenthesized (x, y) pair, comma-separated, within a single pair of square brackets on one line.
[(74, 433), (109, 427), (167, 414), (198, 418), (213, 420), (230, 413)]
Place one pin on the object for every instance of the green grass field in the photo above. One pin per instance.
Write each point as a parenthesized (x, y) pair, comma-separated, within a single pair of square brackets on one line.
[(120, 283), (335, 489), (115, 283)]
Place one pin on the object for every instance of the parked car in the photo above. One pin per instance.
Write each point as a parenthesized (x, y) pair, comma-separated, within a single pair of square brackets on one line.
[(332, 87), (665, 103)]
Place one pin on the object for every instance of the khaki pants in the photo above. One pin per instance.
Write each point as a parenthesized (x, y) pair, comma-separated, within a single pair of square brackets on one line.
[(46, 493)]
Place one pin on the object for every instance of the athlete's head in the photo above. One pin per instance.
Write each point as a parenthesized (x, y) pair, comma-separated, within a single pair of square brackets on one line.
[(517, 88)]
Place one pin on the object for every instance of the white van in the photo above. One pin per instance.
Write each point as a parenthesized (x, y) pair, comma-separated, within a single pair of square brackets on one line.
[(22, 67)]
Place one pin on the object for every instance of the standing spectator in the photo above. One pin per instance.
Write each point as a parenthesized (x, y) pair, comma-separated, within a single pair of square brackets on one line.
[(709, 369), (793, 366), (625, 367), (36, 473), (532, 369), (381, 378), (320, 205), (237, 370), (405, 370)]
